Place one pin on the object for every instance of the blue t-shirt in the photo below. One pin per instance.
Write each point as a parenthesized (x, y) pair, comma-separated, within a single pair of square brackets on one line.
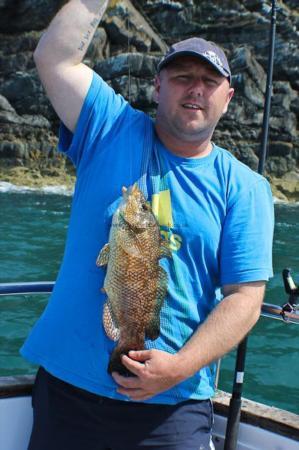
[(215, 213)]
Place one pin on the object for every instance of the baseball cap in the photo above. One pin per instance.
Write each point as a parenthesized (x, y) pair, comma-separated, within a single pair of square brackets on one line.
[(205, 50)]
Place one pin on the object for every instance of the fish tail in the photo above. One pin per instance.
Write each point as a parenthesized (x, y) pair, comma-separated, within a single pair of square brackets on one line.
[(115, 364)]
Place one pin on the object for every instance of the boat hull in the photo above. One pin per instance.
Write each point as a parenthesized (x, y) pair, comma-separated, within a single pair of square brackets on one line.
[(16, 423)]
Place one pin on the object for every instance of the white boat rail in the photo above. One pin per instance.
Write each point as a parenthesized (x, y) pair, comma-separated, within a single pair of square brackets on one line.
[(269, 310)]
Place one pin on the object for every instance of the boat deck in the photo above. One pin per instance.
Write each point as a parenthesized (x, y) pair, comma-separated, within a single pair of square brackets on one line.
[(262, 427)]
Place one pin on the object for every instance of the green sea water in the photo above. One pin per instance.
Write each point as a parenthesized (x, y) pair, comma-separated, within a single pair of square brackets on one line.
[(33, 228)]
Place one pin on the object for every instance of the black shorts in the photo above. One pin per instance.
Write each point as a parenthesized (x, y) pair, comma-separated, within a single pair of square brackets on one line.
[(69, 418)]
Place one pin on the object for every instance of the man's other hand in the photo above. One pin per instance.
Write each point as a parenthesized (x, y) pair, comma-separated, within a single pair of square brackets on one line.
[(155, 371)]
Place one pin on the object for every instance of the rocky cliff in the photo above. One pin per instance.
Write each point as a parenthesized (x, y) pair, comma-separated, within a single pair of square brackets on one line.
[(125, 51)]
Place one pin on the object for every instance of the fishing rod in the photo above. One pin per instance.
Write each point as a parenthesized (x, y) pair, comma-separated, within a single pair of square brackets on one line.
[(234, 414), (266, 117)]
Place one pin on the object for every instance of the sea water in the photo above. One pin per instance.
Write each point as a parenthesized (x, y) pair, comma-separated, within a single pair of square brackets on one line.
[(33, 228)]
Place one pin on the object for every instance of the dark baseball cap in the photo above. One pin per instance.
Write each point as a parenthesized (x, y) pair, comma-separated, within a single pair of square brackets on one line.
[(205, 50)]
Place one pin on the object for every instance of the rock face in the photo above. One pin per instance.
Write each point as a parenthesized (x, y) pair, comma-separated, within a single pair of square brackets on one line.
[(125, 50)]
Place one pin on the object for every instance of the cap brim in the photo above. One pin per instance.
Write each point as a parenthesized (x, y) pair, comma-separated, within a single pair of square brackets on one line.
[(170, 58)]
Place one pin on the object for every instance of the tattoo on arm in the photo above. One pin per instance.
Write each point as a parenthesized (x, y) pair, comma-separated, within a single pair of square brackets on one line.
[(81, 46), (93, 24)]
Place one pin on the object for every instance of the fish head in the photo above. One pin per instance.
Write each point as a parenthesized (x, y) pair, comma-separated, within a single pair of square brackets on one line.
[(135, 210)]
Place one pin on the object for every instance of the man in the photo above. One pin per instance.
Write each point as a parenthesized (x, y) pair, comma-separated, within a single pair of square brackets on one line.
[(214, 212)]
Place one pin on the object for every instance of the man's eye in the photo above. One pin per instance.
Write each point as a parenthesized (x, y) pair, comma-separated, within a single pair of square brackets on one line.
[(211, 82), (183, 77)]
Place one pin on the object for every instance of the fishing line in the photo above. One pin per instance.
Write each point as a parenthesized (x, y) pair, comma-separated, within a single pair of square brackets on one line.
[(130, 149)]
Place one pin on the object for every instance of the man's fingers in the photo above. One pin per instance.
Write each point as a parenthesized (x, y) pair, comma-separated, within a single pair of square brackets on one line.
[(126, 382), (140, 355), (135, 367)]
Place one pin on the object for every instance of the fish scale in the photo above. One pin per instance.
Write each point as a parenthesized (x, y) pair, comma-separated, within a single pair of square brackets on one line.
[(135, 283)]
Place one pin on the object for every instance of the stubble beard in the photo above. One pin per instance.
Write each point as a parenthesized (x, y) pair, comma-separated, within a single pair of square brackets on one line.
[(192, 133)]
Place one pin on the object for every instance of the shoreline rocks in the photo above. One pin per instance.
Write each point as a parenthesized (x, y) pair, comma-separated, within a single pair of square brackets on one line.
[(285, 189), (125, 51)]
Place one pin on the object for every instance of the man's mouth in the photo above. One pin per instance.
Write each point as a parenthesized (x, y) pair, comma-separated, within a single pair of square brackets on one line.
[(192, 106)]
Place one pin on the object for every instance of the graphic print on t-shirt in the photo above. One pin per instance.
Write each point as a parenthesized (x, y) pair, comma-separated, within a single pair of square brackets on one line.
[(162, 209)]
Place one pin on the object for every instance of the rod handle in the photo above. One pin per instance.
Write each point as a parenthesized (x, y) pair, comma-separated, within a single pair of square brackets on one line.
[(233, 422)]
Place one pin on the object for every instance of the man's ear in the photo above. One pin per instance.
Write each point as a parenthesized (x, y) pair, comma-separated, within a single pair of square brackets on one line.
[(157, 83), (229, 97)]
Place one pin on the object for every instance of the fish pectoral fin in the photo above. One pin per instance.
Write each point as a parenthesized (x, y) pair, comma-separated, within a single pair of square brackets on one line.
[(110, 325), (130, 244), (153, 329), (162, 283), (103, 258), (165, 251)]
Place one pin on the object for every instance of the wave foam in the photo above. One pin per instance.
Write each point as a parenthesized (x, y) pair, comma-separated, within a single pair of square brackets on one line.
[(279, 201), (6, 187)]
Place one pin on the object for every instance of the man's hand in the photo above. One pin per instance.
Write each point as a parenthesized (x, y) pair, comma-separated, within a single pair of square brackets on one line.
[(155, 371)]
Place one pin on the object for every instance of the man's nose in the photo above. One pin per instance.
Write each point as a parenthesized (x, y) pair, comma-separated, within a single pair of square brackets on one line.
[(196, 87)]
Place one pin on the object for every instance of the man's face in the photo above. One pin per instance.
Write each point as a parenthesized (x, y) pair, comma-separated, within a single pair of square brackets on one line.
[(192, 96)]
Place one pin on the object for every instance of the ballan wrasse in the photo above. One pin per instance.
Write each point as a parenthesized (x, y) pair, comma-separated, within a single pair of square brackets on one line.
[(135, 283)]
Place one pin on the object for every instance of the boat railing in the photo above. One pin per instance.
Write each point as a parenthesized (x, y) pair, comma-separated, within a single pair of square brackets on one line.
[(269, 310)]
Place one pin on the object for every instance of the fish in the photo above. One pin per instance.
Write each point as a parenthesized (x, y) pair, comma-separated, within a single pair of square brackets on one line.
[(135, 283)]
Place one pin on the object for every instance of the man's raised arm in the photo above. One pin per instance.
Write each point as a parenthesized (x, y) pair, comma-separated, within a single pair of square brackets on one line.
[(59, 56)]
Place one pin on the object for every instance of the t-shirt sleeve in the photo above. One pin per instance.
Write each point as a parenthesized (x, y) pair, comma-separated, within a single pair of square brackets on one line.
[(101, 109), (246, 242)]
